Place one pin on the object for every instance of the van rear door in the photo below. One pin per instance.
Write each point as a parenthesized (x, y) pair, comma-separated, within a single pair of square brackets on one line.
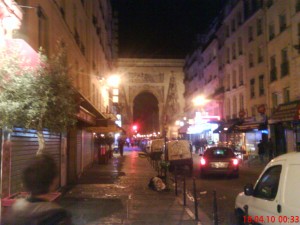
[(290, 203), (262, 206)]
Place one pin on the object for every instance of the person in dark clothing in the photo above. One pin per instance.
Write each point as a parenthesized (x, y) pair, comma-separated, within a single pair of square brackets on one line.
[(197, 145), (121, 143), (261, 151), (270, 148), (39, 179)]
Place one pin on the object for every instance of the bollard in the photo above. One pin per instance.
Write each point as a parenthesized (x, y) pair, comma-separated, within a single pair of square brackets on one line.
[(215, 209), (195, 198), (184, 191), (176, 193), (246, 217)]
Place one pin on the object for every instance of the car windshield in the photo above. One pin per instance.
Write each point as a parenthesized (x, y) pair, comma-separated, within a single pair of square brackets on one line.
[(219, 153)]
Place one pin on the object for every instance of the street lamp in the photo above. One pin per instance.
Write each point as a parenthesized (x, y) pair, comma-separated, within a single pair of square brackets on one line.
[(200, 100), (113, 81)]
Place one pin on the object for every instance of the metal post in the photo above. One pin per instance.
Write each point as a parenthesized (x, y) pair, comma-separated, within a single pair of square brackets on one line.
[(215, 209), (176, 193), (184, 191), (195, 198), (246, 215)]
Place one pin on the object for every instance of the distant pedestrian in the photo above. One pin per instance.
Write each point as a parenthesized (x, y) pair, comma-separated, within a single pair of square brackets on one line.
[(121, 143), (39, 179), (270, 148), (197, 145), (261, 151)]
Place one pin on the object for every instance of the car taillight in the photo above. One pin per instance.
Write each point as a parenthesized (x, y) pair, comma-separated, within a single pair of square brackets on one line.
[(235, 162), (202, 161)]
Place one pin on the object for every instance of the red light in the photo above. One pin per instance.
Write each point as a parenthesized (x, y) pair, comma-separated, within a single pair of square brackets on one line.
[(202, 161), (134, 127), (235, 162)]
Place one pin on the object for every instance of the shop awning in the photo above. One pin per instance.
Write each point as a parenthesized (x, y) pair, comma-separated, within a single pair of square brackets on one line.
[(248, 127), (106, 129), (286, 112), (183, 129), (227, 127)]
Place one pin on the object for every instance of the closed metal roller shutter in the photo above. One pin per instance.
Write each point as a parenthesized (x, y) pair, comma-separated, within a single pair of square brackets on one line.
[(79, 153), (24, 148), (87, 153)]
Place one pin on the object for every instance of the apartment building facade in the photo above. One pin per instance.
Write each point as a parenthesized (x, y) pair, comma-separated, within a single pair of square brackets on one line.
[(258, 66), (85, 29)]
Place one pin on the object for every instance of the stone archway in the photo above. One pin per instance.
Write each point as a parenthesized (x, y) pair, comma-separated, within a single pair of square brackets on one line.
[(162, 78), (146, 113)]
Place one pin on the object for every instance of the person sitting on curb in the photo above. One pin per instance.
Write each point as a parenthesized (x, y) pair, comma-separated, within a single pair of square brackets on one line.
[(39, 179)]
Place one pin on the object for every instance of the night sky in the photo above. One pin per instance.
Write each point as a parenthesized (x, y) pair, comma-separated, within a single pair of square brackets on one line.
[(162, 28)]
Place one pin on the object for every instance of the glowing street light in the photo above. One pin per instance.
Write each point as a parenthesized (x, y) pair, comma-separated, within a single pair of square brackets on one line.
[(200, 101), (113, 81)]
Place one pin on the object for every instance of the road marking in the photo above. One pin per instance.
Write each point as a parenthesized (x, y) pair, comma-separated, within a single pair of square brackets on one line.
[(189, 212)]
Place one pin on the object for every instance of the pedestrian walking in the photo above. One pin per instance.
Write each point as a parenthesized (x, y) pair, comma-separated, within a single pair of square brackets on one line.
[(197, 145), (39, 178), (121, 143), (270, 148), (261, 151)]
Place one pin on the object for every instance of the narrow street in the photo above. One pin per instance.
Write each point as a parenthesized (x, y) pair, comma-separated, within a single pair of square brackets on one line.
[(118, 193)]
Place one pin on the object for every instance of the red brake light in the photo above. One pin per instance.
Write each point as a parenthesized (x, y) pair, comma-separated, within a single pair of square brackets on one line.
[(235, 162), (202, 161)]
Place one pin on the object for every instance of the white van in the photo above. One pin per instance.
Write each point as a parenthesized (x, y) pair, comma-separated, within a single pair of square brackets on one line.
[(179, 154), (275, 197)]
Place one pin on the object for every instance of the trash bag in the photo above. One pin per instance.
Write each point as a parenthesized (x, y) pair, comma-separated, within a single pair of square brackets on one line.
[(156, 184)]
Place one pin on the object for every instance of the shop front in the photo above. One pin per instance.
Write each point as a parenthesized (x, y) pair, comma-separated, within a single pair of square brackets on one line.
[(285, 127), (252, 131), (203, 128)]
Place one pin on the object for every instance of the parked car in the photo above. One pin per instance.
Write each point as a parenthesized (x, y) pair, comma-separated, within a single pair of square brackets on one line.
[(219, 160), (179, 154), (274, 199)]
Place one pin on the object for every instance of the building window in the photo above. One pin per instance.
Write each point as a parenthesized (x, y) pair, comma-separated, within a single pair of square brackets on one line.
[(250, 33), (233, 25), (252, 88), (253, 111), (273, 72), (251, 63), (282, 22), (234, 105), (233, 51), (241, 102), (43, 30), (297, 5), (259, 29), (228, 109), (234, 79), (286, 95), (274, 101), (261, 85), (269, 3), (271, 32), (227, 31), (228, 55), (260, 57), (241, 75), (239, 18), (228, 82), (240, 46), (284, 62)]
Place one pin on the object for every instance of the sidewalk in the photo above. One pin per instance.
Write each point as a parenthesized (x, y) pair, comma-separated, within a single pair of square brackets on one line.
[(118, 193)]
